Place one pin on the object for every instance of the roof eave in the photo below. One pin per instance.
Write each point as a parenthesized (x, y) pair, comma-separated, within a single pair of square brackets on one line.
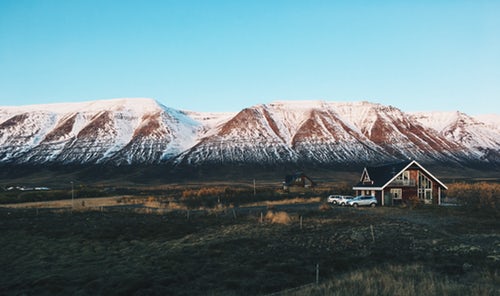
[(397, 174), (367, 188), (432, 176)]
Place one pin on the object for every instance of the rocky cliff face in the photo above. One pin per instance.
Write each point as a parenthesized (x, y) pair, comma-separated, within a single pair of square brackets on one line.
[(142, 131)]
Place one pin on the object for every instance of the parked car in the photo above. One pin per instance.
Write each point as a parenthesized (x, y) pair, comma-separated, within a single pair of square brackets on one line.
[(362, 200), (339, 199)]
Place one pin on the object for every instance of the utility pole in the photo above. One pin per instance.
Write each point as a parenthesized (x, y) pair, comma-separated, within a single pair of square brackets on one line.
[(254, 191), (72, 196), (317, 274)]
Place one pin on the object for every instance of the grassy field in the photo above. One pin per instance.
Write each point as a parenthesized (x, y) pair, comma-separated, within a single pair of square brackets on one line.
[(248, 251)]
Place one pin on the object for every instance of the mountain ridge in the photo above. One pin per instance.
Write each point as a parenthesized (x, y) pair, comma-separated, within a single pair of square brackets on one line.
[(143, 131)]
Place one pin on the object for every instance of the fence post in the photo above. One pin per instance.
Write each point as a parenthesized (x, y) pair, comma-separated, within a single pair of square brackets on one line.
[(301, 222), (317, 273), (373, 234)]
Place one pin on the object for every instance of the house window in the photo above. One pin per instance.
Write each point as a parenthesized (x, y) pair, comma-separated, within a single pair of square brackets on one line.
[(397, 193), (403, 179), (404, 176), (366, 179), (424, 187)]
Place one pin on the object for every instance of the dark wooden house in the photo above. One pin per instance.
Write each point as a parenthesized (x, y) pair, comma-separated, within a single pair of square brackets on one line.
[(399, 182), (298, 179)]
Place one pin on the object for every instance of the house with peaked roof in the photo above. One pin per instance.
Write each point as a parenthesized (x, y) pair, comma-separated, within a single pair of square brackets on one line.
[(298, 179), (399, 182)]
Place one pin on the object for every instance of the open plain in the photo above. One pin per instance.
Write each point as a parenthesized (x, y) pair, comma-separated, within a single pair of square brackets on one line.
[(256, 250)]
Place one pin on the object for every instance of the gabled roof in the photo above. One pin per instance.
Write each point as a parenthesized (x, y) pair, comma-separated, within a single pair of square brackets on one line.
[(381, 176), (290, 179)]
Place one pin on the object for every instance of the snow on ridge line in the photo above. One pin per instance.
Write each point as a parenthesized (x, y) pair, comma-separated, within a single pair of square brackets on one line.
[(119, 104), (353, 112), (300, 104), (210, 119), (440, 120), (490, 119), (134, 105), (315, 103), (437, 120)]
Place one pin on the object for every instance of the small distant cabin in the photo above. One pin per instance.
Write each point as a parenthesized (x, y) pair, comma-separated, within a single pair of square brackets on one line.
[(299, 179), (395, 183)]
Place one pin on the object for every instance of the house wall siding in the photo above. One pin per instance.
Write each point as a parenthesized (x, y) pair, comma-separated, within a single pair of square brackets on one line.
[(378, 196), (409, 192), (435, 193)]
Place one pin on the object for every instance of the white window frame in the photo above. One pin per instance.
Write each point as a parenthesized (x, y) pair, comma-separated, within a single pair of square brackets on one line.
[(397, 192), (424, 187)]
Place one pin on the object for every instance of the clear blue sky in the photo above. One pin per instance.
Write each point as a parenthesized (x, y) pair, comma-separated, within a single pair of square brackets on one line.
[(213, 55)]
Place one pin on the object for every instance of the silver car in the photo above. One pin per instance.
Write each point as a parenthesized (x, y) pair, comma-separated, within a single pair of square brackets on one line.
[(340, 200), (363, 200)]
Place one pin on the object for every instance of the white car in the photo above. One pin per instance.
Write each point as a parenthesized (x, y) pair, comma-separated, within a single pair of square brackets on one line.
[(339, 199), (363, 200)]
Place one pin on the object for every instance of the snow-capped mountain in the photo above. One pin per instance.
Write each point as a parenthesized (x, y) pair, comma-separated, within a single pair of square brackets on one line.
[(322, 132), (118, 131), (138, 131), (479, 134)]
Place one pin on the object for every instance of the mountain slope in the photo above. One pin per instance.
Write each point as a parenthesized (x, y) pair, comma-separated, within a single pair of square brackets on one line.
[(121, 131), (481, 139), (142, 131), (320, 132)]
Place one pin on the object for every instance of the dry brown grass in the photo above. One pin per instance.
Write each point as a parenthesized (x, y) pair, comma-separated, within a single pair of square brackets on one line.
[(407, 280), (476, 195), (288, 201), (278, 217), (68, 203), (325, 207), (208, 191), (176, 206)]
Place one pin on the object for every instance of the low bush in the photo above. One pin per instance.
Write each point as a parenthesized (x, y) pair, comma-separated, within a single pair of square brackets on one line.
[(476, 195), (278, 217), (325, 207), (209, 197), (413, 202)]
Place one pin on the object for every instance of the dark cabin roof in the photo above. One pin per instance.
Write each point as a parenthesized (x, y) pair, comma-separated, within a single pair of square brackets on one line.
[(290, 179), (380, 176)]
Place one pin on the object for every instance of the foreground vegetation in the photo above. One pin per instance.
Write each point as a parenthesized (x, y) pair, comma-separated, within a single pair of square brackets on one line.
[(479, 195), (408, 280), (194, 196), (384, 251)]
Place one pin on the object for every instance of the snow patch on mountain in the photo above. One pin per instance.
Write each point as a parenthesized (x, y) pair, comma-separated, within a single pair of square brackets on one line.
[(464, 129), (128, 131)]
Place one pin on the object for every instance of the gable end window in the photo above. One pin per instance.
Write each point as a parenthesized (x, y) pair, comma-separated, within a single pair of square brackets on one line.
[(404, 176), (424, 187), (366, 179), (403, 179)]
